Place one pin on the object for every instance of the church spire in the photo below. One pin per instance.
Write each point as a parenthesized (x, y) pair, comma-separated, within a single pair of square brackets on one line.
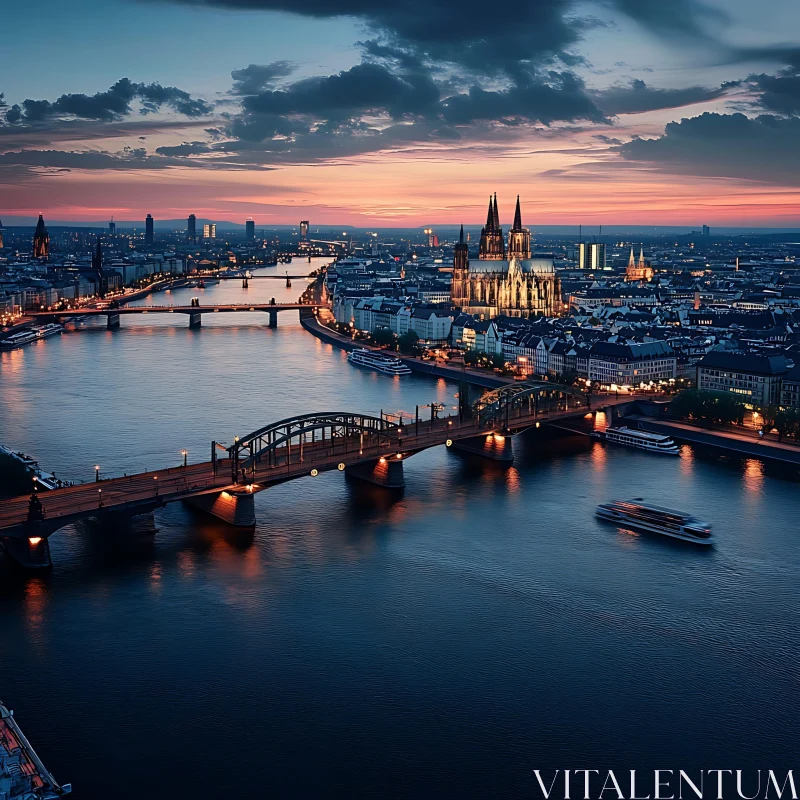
[(632, 260), (641, 257), (461, 236), (490, 216), (517, 218), (496, 214)]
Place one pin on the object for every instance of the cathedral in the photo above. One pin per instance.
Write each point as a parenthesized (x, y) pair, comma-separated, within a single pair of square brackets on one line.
[(41, 240), (506, 280), (638, 271)]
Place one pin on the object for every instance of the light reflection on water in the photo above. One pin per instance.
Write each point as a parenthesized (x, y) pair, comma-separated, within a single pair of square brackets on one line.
[(447, 639)]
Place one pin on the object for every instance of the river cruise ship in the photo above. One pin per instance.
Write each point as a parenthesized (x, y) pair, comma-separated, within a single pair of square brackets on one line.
[(656, 519), (654, 442), (23, 776), (32, 335), (382, 362)]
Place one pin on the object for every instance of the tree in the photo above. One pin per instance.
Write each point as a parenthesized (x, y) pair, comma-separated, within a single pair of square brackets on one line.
[(383, 336), (787, 423), (408, 343), (719, 407)]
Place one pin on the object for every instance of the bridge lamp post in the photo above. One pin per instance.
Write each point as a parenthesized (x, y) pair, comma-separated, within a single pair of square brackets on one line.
[(99, 498), (96, 473), (185, 454)]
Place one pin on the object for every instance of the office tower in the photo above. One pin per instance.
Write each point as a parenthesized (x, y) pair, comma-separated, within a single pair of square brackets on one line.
[(250, 229), (592, 256), (112, 227), (148, 230), (1, 235), (41, 240), (210, 230), (706, 230), (304, 228), (191, 228)]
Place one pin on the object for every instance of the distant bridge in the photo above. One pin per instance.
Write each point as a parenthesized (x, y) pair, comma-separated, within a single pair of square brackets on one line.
[(371, 448), (194, 313)]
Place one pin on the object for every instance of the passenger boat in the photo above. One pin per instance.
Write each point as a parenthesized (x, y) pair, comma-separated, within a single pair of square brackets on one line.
[(654, 442), (17, 340), (382, 362), (23, 776), (656, 519), (48, 330)]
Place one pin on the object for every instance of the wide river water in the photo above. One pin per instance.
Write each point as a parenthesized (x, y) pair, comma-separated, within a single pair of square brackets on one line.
[(446, 642)]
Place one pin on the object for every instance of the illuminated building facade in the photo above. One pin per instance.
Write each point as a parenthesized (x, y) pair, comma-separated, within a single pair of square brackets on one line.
[(148, 230), (210, 230), (304, 229), (521, 285), (592, 256), (41, 240), (191, 228), (638, 271)]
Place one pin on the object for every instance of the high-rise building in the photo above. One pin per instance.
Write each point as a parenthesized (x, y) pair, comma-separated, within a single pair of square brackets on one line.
[(250, 229), (210, 230), (148, 230), (592, 256), (304, 229), (97, 268), (1, 235), (706, 230), (191, 228), (41, 240), (433, 238), (112, 227)]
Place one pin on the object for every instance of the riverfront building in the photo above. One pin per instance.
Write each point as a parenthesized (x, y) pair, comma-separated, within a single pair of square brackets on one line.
[(755, 379)]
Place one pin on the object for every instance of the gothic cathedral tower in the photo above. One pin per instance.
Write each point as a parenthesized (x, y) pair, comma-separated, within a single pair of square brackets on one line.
[(519, 238), (492, 247)]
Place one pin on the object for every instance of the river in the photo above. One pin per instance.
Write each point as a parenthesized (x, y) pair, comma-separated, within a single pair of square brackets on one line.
[(446, 642)]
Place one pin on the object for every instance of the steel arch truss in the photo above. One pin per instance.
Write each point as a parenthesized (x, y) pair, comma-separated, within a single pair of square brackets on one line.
[(531, 396), (342, 430)]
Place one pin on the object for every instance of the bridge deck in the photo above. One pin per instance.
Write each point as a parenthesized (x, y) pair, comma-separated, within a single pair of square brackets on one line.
[(219, 307), (163, 486)]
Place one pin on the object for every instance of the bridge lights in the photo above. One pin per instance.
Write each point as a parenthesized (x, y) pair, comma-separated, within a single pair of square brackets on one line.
[(34, 540), (399, 455), (382, 460), (314, 472), (99, 498), (96, 473), (185, 454)]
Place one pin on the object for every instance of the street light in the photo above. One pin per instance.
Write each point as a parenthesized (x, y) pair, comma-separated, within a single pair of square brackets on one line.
[(184, 453), (96, 473)]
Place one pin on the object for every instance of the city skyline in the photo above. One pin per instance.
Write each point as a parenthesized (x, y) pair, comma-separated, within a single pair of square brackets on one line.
[(618, 114)]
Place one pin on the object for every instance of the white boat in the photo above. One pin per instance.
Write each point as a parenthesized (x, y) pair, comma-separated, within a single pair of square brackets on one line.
[(656, 519), (48, 330), (382, 362), (18, 339), (654, 442)]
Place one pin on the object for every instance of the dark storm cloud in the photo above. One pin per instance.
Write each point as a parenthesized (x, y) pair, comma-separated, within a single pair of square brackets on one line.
[(637, 97), (67, 160), (185, 149), (779, 94), (724, 145), (259, 77), (108, 106), (562, 96), (366, 87)]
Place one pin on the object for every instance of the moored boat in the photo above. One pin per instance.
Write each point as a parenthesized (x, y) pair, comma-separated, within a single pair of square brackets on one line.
[(642, 440), (391, 365)]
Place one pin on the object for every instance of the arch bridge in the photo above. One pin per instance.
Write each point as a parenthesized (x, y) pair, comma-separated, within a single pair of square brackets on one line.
[(370, 448)]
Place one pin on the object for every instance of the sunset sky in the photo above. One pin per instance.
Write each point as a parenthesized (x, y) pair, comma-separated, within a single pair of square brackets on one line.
[(368, 113)]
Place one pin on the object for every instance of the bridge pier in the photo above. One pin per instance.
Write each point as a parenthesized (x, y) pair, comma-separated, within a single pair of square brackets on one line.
[(386, 472), (495, 446), (234, 506), (195, 319), (273, 319), (113, 321), (31, 553)]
